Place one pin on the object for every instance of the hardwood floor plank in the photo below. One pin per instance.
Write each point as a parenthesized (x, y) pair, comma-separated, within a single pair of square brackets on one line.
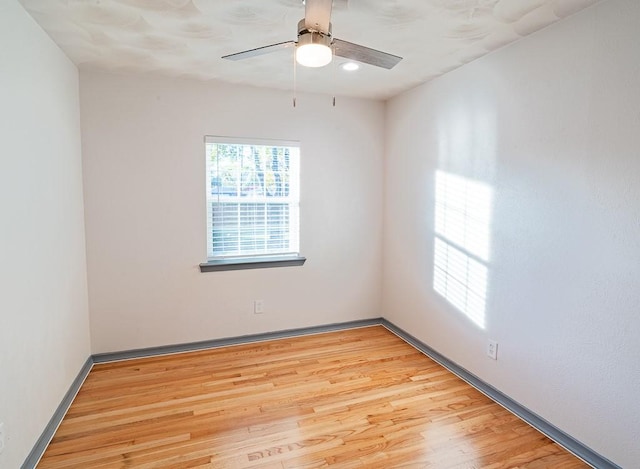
[(359, 398)]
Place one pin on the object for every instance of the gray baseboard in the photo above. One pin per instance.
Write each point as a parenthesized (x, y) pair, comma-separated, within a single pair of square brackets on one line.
[(41, 445), (243, 339), (563, 439)]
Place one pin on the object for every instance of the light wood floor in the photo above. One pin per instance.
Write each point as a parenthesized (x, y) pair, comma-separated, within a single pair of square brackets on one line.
[(359, 398)]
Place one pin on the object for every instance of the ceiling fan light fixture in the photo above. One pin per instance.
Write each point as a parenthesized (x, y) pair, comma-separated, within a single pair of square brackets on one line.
[(313, 50), (313, 55)]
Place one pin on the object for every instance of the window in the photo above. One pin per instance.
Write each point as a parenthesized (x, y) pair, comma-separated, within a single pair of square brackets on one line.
[(253, 193)]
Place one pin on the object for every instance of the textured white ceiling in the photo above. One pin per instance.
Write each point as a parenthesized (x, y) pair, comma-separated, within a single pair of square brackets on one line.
[(188, 37)]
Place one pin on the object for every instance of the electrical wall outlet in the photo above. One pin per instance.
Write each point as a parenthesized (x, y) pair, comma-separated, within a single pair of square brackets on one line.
[(258, 306), (492, 349), (1, 437)]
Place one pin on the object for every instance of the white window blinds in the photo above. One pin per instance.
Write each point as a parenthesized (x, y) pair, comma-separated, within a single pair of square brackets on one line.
[(253, 197)]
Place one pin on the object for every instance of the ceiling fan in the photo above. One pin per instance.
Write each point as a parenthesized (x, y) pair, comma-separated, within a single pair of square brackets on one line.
[(316, 46)]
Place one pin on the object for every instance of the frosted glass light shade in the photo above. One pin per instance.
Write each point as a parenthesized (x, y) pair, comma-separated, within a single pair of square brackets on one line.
[(313, 55)]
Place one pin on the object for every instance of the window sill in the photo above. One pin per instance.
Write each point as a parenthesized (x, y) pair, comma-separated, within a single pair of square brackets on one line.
[(251, 263)]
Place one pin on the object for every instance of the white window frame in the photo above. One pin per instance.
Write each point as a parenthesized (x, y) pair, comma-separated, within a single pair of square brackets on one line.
[(292, 199)]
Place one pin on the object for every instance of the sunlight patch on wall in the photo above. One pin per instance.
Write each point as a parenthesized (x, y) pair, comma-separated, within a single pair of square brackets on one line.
[(461, 248)]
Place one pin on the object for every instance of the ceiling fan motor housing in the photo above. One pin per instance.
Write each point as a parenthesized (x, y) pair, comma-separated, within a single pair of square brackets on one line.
[(311, 36)]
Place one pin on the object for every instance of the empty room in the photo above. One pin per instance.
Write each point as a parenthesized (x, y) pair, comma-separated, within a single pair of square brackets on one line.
[(299, 234)]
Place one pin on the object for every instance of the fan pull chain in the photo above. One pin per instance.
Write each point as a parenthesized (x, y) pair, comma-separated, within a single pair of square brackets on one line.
[(295, 80), (333, 64)]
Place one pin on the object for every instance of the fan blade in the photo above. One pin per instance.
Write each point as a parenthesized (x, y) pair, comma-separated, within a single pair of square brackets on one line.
[(259, 51), (363, 54), (317, 15)]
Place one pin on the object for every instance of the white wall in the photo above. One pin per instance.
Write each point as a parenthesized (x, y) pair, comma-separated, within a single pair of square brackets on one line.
[(552, 125), (44, 320), (144, 165)]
